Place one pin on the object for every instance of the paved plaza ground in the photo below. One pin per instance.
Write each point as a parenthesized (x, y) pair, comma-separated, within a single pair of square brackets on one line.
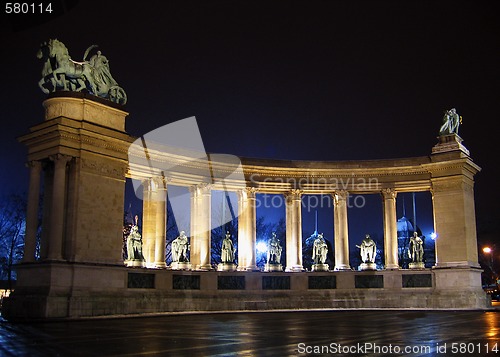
[(346, 332)]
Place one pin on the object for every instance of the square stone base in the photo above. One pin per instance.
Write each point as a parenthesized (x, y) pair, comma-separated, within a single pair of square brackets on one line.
[(72, 291)]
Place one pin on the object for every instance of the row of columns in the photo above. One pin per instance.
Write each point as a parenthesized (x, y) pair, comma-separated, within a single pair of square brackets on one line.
[(154, 227), (52, 243)]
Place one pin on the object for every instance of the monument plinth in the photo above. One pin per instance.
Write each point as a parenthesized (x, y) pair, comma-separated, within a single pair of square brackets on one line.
[(273, 267), (181, 266), (227, 267), (450, 143), (320, 267), (416, 265), (367, 266)]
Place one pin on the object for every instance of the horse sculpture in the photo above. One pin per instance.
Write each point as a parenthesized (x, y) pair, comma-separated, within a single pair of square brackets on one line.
[(60, 72)]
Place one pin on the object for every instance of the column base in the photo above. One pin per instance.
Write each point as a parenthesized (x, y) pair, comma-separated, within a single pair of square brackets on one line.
[(295, 269), (206, 267), (181, 266), (392, 267), (342, 268), (250, 268), (160, 265)]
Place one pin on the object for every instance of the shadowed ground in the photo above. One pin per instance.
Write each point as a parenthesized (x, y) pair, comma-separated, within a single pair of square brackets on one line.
[(260, 334)]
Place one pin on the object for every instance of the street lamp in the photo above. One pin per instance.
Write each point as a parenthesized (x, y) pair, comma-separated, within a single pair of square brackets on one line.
[(490, 251)]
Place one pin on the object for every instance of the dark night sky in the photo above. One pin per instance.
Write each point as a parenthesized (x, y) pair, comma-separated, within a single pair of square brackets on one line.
[(308, 80)]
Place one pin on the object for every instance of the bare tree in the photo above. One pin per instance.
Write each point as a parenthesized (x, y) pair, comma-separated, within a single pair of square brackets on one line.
[(12, 231)]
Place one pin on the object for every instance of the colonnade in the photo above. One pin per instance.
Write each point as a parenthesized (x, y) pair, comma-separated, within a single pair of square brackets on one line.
[(54, 211), (154, 227)]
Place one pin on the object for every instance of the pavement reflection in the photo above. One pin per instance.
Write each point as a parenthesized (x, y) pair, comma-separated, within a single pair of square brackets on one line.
[(259, 334)]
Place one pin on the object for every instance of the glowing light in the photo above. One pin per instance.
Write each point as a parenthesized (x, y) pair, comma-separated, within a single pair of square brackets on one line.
[(261, 247), (433, 236), (487, 250)]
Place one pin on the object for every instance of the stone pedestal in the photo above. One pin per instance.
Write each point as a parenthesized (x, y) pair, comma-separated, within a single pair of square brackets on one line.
[(227, 267), (449, 143), (320, 267), (417, 265), (181, 266), (368, 266), (134, 263), (273, 267)]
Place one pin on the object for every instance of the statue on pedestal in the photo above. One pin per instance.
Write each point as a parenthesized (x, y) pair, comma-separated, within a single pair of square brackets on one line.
[(320, 249), (274, 250), (61, 73), (451, 122), (180, 246), (416, 252), (227, 255), (134, 246), (368, 253)]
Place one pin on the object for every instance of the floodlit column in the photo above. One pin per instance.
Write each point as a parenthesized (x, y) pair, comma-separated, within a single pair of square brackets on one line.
[(32, 211), (247, 236), (194, 255), (242, 258), (341, 230), (294, 231), (204, 233), (390, 229), (148, 223), (161, 222), (57, 213)]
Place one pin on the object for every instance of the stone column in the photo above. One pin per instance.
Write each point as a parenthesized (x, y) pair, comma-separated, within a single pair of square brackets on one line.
[(204, 225), (32, 211), (341, 230), (149, 223), (57, 213), (293, 231), (247, 236), (161, 222), (390, 229), (193, 234)]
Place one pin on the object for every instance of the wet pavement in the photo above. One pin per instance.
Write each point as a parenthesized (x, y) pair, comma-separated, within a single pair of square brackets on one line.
[(342, 333)]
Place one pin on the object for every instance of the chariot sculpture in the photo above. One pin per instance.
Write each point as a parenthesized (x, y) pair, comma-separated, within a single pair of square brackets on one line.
[(61, 73)]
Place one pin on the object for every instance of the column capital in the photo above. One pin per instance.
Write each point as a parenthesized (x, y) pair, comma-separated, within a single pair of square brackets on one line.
[(340, 195), (389, 193), (60, 158), (160, 182), (34, 164), (293, 194), (248, 192), (201, 188)]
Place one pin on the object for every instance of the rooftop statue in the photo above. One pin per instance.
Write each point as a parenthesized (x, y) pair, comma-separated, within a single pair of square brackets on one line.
[(451, 122), (60, 72)]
